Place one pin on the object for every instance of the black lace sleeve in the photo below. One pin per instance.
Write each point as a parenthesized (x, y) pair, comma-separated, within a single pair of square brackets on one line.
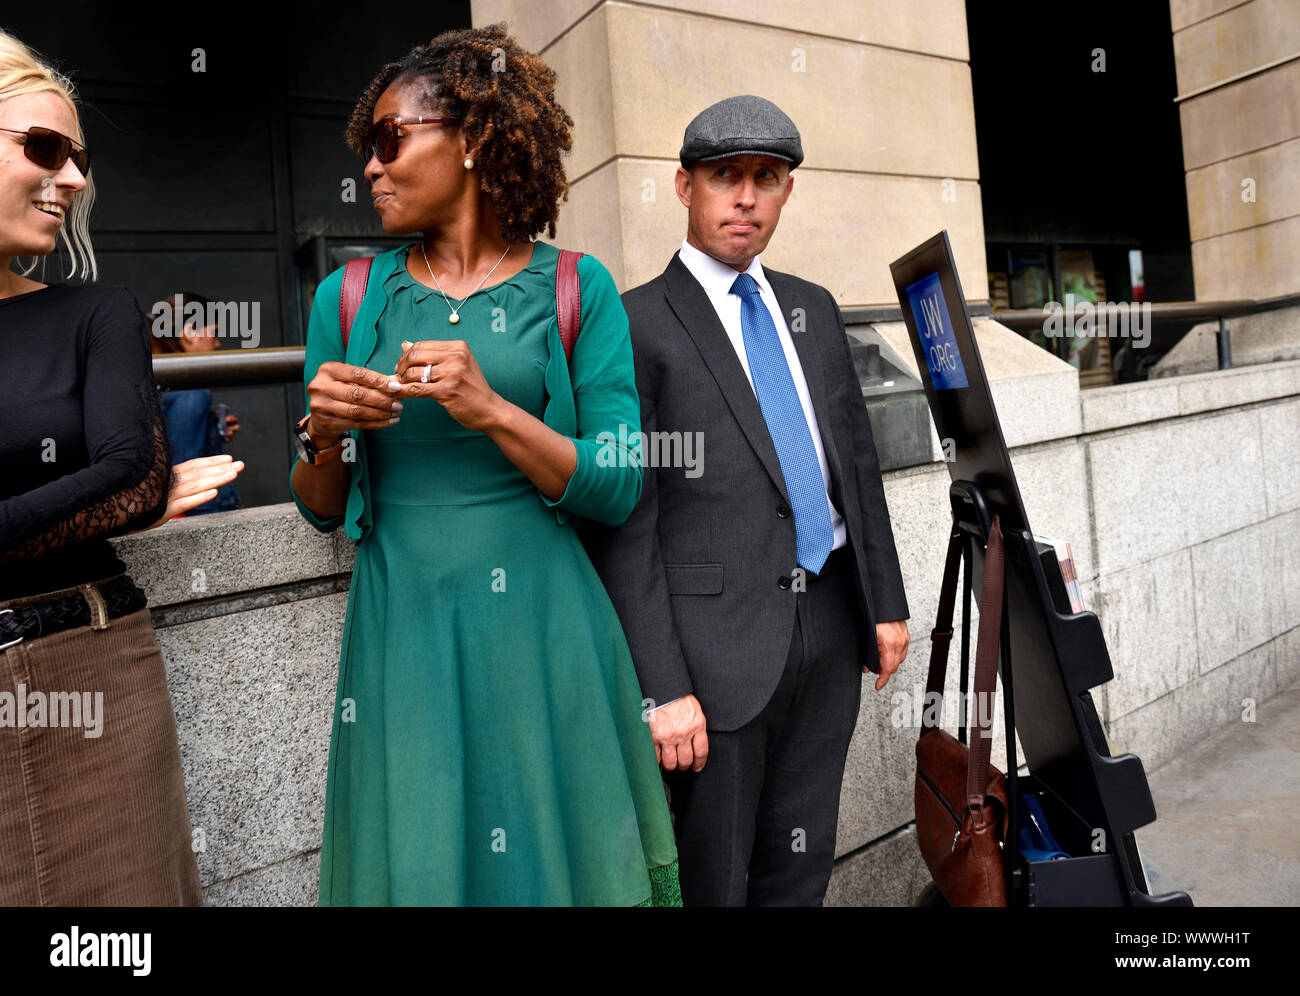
[(125, 485)]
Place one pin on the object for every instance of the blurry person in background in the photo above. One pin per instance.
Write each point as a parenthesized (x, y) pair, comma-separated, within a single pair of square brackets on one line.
[(92, 806), (196, 427)]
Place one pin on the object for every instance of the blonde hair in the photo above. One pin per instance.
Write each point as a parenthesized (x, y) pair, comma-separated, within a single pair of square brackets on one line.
[(22, 73)]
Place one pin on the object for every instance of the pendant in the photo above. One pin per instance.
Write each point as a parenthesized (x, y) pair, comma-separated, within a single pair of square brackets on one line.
[(453, 318)]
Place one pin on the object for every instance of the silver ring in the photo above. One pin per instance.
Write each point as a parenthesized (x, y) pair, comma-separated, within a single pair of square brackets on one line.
[(424, 377)]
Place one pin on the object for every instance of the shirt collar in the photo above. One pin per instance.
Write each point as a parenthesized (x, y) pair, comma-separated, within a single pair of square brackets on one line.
[(715, 276)]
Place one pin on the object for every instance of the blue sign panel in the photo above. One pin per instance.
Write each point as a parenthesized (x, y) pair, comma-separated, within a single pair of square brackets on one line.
[(930, 312)]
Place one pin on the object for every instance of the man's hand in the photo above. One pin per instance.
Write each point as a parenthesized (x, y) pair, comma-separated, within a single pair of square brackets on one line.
[(891, 643), (679, 735)]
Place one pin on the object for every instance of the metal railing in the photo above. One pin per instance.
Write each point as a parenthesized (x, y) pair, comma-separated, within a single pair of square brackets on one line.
[(283, 365), (1037, 318), (229, 368)]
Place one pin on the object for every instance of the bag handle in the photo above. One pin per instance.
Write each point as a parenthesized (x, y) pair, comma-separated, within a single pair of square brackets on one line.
[(987, 647)]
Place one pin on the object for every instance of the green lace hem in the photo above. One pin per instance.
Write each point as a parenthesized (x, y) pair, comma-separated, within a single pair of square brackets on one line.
[(665, 889)]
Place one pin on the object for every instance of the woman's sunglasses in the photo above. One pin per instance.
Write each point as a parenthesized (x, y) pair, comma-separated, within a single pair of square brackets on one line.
[(50, 149), (381, 140)]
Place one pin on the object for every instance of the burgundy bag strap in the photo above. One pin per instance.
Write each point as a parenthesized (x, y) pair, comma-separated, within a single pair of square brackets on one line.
[(356, 273), (568, 300), (987, 647)]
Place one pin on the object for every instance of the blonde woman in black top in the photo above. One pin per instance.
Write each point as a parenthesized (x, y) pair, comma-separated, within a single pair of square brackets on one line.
[(92, 800)]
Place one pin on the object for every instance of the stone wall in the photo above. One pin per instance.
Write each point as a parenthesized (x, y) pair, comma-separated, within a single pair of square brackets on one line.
[(1238, 70), (248, 607), (1181, 498), (880, 92)]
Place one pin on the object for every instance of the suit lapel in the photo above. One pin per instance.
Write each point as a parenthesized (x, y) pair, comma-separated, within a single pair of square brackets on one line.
[(810, 358), (695, 311)]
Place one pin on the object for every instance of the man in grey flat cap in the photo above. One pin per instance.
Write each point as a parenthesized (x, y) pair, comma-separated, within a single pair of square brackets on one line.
[(755, 594)]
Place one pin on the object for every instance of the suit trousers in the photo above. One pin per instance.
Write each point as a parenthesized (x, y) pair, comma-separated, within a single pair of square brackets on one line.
[(756, 827)]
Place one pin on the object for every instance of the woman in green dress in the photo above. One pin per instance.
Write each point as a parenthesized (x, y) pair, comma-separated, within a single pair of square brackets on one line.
[(488, 745)]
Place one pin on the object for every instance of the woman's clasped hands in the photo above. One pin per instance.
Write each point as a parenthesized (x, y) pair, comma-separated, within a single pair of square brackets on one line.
[(343, 396), (447, 372)]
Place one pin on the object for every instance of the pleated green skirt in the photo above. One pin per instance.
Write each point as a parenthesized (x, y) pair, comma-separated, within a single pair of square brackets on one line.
[(488, 745)]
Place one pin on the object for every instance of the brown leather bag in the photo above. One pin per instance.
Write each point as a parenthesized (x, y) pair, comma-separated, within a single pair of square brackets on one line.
[(961, 799)]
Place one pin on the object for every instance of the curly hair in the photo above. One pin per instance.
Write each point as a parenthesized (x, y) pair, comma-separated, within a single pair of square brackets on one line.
[(505, 98)]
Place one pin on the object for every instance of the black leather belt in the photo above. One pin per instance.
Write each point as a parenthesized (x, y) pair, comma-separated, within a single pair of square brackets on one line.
[(93, 606)]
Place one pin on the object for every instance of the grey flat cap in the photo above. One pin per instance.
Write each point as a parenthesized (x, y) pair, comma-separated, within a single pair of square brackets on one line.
[(745, 125)]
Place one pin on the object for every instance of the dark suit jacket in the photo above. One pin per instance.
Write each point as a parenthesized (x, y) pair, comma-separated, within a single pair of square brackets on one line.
[(700, 572)]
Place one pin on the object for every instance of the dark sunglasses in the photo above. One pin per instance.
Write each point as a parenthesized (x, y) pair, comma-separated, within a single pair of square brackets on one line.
[(381, 140), (50, 149)]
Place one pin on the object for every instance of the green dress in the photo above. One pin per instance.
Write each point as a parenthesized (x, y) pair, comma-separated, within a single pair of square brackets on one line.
[(488, 745)]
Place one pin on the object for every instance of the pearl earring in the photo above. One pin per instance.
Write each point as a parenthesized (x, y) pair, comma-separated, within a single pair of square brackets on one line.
[(469, 163)]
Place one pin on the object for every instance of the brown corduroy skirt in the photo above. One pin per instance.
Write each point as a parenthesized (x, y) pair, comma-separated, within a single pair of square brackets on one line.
[(98, 819)]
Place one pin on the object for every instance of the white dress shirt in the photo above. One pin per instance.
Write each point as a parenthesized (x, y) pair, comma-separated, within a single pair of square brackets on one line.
[(716, 278)]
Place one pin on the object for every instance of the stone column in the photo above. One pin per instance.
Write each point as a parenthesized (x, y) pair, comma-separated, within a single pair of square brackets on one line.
[(880, 91), (1239, 99)]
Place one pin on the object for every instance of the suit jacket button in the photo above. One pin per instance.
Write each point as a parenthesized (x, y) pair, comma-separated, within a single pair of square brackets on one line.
[(782, 511), (783, 583)]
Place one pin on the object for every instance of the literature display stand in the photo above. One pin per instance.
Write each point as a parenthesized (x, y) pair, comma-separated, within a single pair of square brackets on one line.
[(1050, 655)]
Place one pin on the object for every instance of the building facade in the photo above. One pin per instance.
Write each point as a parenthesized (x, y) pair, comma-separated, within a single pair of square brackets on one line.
[(1180, 494)]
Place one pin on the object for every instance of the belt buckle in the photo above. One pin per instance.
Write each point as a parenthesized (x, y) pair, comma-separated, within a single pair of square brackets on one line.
[(96, 605), (11, 643)]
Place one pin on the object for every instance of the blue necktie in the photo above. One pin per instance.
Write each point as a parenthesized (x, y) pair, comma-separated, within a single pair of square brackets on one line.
[(779, 402)]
